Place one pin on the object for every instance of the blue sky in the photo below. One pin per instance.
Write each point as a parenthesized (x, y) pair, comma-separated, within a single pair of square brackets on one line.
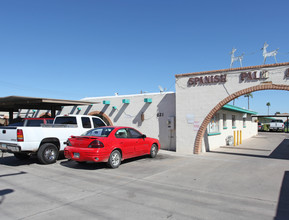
[(71, 49)]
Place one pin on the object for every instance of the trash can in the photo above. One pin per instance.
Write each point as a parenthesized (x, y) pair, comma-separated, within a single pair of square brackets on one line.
[(230, 140)]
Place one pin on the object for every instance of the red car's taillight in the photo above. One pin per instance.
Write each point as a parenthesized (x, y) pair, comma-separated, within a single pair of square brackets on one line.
[(20, 136), (96, 144)]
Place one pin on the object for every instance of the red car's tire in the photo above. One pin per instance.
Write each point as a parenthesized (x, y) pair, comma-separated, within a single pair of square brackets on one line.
[(154, 151), (114, 159)]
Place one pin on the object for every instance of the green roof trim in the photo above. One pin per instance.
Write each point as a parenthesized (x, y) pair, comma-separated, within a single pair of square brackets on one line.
[(269, 118), (238, 109), (126, 101), (106, 102), (216, 133)]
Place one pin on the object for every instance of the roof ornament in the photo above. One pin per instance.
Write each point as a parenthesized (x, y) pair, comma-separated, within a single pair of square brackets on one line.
[(233, 58), (269, 54)]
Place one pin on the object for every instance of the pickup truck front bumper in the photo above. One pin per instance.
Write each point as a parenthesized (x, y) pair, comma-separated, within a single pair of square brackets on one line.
[(11, 148)]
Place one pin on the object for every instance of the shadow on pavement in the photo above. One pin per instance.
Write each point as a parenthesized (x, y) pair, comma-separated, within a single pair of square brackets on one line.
[(83, 166), (4, 192), (13, 174), (280, 152), (102, 165), (283, 204), (13, 161)]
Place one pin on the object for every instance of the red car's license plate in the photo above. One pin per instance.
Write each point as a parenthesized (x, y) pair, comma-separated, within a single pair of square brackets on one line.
[(76, 155)]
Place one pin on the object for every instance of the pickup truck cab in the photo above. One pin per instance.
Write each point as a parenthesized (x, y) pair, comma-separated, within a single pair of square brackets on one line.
[(47, 140), (276, 125)]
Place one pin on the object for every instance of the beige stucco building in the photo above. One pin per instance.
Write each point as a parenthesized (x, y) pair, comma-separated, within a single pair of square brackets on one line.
[(196, 117)]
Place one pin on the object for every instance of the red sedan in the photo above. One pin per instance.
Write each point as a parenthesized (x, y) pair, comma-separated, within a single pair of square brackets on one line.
[(111, 145)]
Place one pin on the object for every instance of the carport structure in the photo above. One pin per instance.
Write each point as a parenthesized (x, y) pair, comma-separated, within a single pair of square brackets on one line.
[(276, 116), (12, 104)]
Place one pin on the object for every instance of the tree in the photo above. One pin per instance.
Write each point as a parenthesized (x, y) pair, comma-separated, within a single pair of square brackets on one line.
[(268, 104), (249, 95)]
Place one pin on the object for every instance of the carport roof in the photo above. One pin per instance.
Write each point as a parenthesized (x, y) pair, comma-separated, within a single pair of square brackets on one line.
[(14, 103)]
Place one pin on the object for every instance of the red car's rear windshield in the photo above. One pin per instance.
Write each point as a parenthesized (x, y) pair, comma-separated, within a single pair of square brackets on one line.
[(99, 132)]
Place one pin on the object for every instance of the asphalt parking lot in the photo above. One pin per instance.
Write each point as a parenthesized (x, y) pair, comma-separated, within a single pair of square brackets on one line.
[(249, 181)]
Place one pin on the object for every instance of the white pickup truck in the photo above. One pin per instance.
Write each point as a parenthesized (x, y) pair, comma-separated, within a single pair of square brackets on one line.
[(45, 141), (276, 125)]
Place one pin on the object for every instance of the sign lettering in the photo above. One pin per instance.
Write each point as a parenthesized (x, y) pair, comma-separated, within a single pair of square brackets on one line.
[(255, 75), (222, 78)]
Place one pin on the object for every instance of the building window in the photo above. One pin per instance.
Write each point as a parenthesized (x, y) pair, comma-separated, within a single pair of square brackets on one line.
[(233, 121), (224, 121), (214, 124)]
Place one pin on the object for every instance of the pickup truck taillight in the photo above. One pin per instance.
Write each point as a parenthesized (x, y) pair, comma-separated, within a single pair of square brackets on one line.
[(20, 136)]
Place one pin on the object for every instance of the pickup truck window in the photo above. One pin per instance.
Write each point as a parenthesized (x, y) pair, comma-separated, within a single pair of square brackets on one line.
[(85, 122), (97, 122), (279, 121), (34, 123), (66, 120), (49, 121), (17, 124)]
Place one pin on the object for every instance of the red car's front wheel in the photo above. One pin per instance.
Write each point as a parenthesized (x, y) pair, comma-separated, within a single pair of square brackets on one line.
[(154, 151)]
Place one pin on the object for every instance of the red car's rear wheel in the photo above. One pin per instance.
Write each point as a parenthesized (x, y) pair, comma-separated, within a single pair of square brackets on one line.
[(114, 159)]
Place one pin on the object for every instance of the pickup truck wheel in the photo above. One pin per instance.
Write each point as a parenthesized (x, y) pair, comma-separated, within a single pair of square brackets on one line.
[(47, 153), (114, 159), (22, 156)]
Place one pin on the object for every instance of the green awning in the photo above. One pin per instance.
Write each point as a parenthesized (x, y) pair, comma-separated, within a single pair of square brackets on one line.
[(238, 109)]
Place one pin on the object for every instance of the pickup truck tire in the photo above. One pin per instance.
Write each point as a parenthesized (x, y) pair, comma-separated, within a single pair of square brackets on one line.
[(47, 153), (22, 156)]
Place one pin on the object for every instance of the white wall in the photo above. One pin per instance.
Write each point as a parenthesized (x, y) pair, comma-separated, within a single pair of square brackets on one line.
[(212, 142), (155, 114)]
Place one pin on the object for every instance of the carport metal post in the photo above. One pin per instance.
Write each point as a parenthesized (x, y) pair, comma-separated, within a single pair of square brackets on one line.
[(287, 125), (53, 112), (11, 115)]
